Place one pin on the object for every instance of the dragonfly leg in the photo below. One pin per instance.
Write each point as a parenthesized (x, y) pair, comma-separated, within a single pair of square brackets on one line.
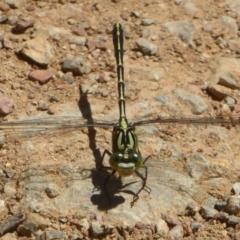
[(101, 167), (144, 181), (146, 159), (105, 187)]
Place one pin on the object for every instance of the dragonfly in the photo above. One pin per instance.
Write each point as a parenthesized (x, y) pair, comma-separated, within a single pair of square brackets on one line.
[(125, 158)]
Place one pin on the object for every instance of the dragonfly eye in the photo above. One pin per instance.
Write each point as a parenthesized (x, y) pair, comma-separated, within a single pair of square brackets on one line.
[(136, 159)]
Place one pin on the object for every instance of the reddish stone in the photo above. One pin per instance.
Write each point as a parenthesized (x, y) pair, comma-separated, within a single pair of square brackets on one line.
[(6, 104), (42, 76), (91, 45), (79, 31)]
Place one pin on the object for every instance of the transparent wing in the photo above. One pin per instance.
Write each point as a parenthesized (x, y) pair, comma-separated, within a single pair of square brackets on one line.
[(48, 126), (218, 120)]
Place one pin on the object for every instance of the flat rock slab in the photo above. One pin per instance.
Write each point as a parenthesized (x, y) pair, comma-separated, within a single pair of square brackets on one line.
[(77, 189)]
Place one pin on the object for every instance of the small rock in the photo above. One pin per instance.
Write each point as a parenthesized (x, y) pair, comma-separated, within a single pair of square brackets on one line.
[(38, 220), (144, 73), (39, 50), (176, 233), (236, 188), (4, 7), (183, 29), (145, 33), (125, 15), (6, 104), (195, 226), (162, 228), (51, 235), (2, 138), (68, 78), (96, 228), (80, 41), (79, 31), (198, 106), (10, 189), (3, 209), (208, 212), (193, 207), (218, 91), (42, 76), (42, 105), (27, 229), (14, 3), (171, 220), (230, 23), (228, 80), (3, 18), (146, 47), (190, 8), (84, 223), (234, 45), (7, 43), (90, 44), (147, 22), (233, 220), (223, 216), (52, 190), (23, 25), (233, 205), (178, 2), (220, 206), (76, 66)]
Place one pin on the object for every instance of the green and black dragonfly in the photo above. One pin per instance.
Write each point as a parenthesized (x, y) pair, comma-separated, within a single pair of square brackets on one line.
[(125, 158)]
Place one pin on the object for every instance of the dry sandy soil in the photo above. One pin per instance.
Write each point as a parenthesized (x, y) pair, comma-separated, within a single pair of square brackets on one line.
[(188, 67)]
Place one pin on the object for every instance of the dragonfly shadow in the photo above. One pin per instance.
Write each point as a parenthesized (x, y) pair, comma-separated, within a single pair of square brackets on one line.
[(114, 188), (85, 108)]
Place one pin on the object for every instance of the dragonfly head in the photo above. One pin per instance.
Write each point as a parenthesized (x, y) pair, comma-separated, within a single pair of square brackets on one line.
[(126, 163)]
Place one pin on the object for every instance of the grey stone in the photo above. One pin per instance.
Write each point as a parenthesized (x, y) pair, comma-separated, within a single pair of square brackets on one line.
[(80, 41), (198, 105), (27, 228), (236, 188), (10, 189), (183, 29), (220, 206), (162, 228), (3, 18), (144, 73), (2, 138), (145, 33), (208, 212), (51, 235), (146, 47), (233, 220), (84, 223), (195, 226), (176, 233), (96, 229), (42, 105), (147, 22), (14, 3), (233, 205), (193, 207), (77, 66), (68, 78), (231, 23), (229, 80), (52, 190)]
